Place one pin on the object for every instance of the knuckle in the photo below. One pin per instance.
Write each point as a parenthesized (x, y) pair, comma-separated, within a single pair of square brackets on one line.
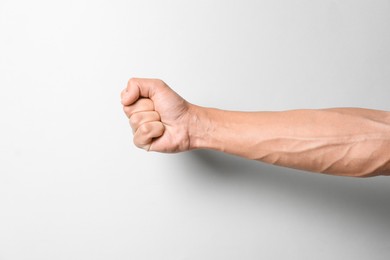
[(131, 81), (127, 110), (137, 142), (145, 104), (144, 129), (160, 83), (135, 120)]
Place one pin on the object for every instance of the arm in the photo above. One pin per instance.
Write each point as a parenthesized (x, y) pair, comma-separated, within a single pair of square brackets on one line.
[(339, 141)]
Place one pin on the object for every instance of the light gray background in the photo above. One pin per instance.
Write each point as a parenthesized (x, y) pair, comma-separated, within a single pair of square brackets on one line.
[(73, 186)]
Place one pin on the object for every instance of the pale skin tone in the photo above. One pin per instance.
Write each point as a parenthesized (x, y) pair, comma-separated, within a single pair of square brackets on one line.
[(338, 141)]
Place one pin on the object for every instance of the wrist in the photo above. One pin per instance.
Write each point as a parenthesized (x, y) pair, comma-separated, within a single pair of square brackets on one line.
[(201, 127)]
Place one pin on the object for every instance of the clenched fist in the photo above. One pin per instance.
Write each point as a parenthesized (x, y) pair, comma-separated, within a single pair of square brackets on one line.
[(159, 117)]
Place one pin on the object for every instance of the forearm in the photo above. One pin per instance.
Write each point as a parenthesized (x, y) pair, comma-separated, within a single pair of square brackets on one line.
[(343, 141)]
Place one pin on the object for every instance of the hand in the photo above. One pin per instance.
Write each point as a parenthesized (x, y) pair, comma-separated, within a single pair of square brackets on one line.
[(158, 116)]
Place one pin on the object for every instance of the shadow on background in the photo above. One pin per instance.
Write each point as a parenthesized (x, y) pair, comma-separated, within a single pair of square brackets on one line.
[(355, 197)]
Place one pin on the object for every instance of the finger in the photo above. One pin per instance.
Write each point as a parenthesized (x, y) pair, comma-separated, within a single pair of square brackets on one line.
[(143, 117), (144, 135), (138, 87), (142, 104)]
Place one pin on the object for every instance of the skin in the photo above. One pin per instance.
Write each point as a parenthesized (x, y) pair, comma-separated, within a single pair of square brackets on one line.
[(338, 141)]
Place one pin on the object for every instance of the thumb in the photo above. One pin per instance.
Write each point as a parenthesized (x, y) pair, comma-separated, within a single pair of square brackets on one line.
[(139, 87)]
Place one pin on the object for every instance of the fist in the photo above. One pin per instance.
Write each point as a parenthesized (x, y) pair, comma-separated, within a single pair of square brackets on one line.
[(158, 116)]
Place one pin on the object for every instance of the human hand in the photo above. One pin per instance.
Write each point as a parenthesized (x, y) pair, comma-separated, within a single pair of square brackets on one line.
[(159, 117)]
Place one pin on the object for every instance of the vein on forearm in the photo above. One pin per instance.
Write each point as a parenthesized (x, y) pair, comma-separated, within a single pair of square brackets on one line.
[(342, 141), (348, 154)]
